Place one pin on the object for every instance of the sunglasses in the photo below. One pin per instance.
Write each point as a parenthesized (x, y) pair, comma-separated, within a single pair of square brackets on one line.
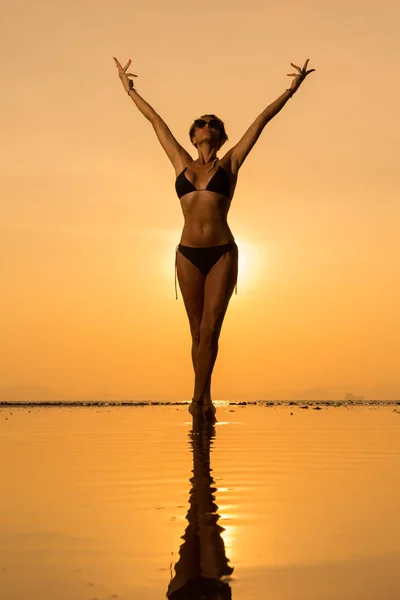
[(213, 123)]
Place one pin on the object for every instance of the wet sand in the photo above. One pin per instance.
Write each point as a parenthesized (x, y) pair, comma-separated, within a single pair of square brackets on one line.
[(274, 503)]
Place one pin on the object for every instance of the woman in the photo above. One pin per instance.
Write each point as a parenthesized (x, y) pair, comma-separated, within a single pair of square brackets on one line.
[(207, 256)]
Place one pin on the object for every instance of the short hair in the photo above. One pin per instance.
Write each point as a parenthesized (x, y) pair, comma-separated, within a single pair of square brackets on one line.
[(222, 138)]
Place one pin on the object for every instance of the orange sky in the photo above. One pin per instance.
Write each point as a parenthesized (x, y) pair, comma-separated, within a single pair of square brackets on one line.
[(90, 219)]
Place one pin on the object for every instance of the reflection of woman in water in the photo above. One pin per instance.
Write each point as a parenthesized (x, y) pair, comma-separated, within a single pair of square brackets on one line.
[(207, 256), (202, 560)]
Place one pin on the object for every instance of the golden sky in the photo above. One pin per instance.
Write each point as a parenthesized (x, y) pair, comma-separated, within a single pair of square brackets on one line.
[(89, 217)]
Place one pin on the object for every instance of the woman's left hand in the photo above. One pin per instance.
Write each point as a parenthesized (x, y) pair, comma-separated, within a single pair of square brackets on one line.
[(300, 76)]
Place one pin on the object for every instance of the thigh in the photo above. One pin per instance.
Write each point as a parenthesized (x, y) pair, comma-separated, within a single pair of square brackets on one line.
[(219, 285), (191, 283)]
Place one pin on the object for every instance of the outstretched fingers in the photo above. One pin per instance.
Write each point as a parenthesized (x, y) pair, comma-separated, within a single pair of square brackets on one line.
[(302, 72), (305, 68), (120, 68), (117, 63)]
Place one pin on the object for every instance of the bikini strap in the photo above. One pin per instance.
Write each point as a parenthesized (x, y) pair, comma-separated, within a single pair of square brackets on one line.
[(237, 277), (176, 267)]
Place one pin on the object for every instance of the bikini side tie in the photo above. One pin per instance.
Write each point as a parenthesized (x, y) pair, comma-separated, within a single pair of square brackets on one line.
[(176, 269)]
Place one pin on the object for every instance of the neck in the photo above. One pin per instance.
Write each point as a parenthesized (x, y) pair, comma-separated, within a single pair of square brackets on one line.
[(207, 154)]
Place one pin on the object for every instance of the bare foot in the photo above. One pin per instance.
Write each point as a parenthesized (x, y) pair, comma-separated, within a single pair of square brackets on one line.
[(196, 410), (209, 413)]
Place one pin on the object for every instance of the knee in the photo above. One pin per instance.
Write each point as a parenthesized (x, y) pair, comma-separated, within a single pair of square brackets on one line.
[(195, 331), (209, 334)]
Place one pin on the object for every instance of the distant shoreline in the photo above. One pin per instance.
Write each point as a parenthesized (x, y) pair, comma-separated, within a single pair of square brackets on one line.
[(125, 403)]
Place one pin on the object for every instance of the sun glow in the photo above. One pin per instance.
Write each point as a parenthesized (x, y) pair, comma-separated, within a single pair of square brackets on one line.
[(249, 262)]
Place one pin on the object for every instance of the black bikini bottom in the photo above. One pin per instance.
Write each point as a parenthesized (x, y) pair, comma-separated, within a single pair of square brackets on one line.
[(204, 258)]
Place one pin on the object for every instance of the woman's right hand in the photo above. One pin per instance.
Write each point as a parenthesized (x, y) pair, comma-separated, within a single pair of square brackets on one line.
[(124, 76)]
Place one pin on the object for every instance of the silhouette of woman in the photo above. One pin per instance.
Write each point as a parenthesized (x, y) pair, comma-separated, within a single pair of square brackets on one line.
[(202, 559), (207, 255)]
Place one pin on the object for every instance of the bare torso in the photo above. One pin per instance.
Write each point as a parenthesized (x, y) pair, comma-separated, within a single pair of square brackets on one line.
[(206, 212)]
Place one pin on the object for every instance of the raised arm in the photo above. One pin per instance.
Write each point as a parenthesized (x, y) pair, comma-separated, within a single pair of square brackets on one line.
[(177, 155), (239, 152)]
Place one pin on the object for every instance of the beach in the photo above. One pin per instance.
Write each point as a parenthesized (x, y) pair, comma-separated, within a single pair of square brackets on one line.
[(276, 502)]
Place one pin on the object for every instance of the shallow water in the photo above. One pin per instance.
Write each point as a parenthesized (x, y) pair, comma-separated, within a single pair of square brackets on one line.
[(129, 503)]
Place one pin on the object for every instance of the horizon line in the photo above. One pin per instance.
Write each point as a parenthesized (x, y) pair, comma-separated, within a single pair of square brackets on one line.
[(135, 403)]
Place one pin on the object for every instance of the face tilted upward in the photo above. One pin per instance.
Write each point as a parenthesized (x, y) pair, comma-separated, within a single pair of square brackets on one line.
[(208, 128)]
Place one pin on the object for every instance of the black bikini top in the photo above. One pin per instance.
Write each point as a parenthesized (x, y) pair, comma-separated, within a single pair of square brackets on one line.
[(219, 183)]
